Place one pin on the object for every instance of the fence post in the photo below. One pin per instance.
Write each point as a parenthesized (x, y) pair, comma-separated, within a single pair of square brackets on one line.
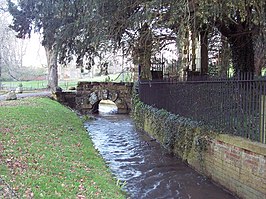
[(263, 119)]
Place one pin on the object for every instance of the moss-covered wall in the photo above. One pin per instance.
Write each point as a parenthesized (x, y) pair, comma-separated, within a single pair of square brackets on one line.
[(182, 136), (236, 163)]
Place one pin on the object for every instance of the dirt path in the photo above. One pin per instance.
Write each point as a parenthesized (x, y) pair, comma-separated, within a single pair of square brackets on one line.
[(28, 94)]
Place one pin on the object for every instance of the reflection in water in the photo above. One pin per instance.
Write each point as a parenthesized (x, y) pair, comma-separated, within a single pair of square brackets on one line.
[(148, 170)]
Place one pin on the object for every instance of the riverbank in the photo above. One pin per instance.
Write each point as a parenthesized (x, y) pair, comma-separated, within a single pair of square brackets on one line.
[(45, 152)]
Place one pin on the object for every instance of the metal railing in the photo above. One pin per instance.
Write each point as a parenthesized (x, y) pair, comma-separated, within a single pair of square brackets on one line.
[(236, 106)]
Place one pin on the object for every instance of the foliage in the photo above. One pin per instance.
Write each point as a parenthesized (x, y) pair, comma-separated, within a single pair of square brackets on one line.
[(179, 135), (110, 25), (241, 22), (46, 17), (11, 50), (54, 19), (85, 29), (50, 157)]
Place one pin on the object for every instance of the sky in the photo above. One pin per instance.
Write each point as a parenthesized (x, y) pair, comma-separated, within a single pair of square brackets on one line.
[(35, 53)]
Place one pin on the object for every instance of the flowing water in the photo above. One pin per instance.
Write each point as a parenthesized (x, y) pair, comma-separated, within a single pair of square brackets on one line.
[(147, 169)]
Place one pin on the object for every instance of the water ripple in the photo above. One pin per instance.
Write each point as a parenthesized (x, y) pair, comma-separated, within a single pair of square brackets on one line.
[(148, 169)]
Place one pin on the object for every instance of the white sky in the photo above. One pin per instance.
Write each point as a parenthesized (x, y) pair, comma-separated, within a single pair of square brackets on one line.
[(35, 53)]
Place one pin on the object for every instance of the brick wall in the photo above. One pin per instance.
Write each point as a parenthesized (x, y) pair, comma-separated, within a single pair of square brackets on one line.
[(238, 164)]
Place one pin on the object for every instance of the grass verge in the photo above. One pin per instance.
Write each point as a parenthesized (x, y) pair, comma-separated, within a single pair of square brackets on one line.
[(45, 152)]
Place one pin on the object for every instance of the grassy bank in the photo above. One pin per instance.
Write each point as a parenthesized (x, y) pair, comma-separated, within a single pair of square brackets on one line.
[(46, 153)]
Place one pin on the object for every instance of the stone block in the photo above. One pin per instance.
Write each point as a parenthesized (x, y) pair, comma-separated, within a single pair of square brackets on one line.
[(19, 90), (90, 93), (11, 95)]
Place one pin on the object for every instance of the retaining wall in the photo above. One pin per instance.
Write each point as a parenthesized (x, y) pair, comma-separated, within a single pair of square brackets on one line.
[(236, 163)]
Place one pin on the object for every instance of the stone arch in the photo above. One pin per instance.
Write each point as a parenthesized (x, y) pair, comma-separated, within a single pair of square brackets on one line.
[(97, 96), (89, 95), (95, 107)]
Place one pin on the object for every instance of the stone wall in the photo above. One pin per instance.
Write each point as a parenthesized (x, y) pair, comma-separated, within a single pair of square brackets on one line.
[(66, 98), (236, 163), (89, 94)]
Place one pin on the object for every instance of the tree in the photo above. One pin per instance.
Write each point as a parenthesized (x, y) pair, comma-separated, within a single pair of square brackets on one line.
[(260, 52), (143, 52), (50, 18), (123, 21), (11, 50), (240, 22), (137, 26)]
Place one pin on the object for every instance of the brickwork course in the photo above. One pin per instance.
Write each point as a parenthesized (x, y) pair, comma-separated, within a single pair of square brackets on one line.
[(238, 164)]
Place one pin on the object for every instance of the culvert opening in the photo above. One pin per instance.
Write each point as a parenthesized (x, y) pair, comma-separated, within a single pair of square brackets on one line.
[(107, 106)]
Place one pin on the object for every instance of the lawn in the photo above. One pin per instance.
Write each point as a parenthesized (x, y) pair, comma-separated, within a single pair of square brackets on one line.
[(65, 84), (45, 152)]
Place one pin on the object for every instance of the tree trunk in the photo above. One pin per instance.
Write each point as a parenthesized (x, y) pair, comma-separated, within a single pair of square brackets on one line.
[(242, 52), (0, 71), (204, 52), (144, 51), (225, 57), (0, 67), (240, 38), (145, 64), (51, 55), (260, 54), (193, 41)]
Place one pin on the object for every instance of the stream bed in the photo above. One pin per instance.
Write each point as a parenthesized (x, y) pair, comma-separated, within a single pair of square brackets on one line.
[(146, 169)]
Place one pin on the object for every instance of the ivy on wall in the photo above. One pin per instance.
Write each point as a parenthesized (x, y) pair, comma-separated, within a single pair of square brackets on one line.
[(182, 136)]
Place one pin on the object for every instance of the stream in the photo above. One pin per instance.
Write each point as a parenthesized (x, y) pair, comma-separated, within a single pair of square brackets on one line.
[(146, 169)]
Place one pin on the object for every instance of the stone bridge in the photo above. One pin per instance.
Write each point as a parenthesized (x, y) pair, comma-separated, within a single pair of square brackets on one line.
[(88, 95)]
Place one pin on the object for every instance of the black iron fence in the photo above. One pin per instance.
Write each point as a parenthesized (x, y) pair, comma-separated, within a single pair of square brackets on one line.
[(236, 105)]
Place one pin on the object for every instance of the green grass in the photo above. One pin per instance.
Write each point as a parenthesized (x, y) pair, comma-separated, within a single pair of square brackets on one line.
[(65, 84), (112, 78), (42, 84), (26, 84), (46, 151)]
